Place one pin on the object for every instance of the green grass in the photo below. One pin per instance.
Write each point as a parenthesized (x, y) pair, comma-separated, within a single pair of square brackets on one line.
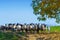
[(55, 28), (8, 36)]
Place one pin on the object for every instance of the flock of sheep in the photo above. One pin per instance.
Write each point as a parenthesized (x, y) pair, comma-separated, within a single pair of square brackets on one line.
[(24, 27)]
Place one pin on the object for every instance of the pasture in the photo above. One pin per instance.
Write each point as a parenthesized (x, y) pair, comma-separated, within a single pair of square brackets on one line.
[(8, 36), (55, 29)]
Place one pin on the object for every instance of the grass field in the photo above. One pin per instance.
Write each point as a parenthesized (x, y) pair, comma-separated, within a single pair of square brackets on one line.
[(55, 28), (8, 36)]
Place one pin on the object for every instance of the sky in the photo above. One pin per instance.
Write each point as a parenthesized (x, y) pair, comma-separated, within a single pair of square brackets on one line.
[(19, 11)]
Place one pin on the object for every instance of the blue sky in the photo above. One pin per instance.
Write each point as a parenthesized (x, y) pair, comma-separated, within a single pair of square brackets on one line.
[(19, 11)]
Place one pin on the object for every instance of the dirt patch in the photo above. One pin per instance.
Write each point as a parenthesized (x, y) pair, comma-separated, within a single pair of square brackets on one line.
[(44, 36)]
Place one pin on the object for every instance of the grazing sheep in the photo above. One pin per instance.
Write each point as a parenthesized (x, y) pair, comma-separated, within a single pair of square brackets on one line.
[(6, 25), (18, 27), (22, 28), (43, 27), (31, 27), (10, 26), (38, 28), (25, 27), (2, 28), (35, 28)]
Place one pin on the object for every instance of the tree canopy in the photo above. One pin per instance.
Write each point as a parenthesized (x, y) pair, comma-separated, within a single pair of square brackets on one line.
[(46, 9)]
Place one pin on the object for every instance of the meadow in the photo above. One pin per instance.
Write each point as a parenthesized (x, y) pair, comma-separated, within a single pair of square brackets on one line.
[(8, 36), (55, 29)]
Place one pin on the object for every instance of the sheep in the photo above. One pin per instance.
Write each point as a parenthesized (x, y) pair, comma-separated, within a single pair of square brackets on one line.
[(25, 27), (43, 27), (10, 26), (2, 28), (22, 28), (18, 27)]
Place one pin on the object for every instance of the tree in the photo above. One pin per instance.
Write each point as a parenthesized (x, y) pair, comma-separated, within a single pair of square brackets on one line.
[(46, 9)]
